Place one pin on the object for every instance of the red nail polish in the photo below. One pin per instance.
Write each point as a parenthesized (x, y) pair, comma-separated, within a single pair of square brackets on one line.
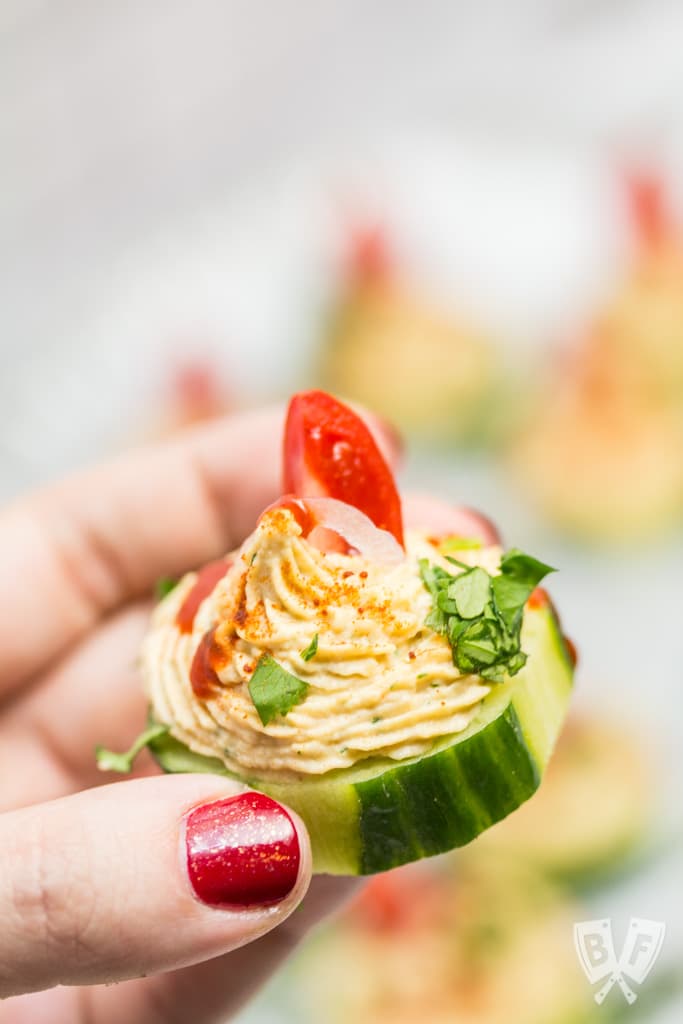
[(242, 851)]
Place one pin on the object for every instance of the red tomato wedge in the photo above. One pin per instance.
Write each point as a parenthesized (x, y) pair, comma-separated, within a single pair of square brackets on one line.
[(330, 453)]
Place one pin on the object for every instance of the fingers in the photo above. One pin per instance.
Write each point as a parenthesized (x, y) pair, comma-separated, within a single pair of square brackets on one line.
[(443, 518), (81, 548), (59, 1006), (48, 753), (77, 550), (213, 992), (208, 993), (143, 876)]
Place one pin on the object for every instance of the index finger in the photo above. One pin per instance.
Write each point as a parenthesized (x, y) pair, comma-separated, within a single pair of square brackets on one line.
[(77, 550)]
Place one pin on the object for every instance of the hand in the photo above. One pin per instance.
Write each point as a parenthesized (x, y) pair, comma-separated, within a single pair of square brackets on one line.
[(94, 884)]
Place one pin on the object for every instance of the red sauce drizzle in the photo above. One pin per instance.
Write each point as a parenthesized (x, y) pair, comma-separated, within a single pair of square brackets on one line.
[(203, 676), (207, 579), (539, 598)]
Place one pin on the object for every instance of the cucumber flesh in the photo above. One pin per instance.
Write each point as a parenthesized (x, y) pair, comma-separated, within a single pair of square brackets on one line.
[(383, 813)]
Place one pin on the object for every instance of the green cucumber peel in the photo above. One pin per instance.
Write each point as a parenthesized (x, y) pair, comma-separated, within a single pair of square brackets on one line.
[(110, 761), (481, 615)]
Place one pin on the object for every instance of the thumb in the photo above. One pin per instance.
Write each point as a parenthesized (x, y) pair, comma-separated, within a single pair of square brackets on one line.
[(143, 876)]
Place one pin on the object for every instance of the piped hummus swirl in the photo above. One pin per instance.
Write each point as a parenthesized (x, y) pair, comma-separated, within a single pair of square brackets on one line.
[(379, 684)]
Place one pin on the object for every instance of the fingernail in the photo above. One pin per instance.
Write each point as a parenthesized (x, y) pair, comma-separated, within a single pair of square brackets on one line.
[(242, 851)]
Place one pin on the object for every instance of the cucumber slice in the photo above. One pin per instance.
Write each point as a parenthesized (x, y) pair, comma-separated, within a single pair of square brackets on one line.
[(384, 813)]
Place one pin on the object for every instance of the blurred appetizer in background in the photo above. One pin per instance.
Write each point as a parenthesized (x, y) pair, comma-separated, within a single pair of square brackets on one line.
[(488, 946), (483, 935), (603, 451), (194, 389), (430, 371), (197, 392), (644, 322)]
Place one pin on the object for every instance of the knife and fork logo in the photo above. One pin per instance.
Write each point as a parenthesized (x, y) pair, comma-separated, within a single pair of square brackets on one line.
[(594, 941)]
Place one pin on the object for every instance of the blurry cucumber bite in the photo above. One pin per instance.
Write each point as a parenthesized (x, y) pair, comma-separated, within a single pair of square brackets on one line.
[(433, 373), (488, 945), (602, 451)]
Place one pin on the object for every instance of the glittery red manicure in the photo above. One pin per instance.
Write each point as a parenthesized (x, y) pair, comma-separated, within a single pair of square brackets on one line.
[(242, 851)]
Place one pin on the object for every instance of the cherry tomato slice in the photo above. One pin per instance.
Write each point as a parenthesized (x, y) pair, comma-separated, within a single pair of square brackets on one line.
[(329, 452)]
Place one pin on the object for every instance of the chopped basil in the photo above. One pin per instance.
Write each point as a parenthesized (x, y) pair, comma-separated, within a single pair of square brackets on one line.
[(110, 761), (312, 649), (481, 615), (273, 690), (163, 586), (470, 591)]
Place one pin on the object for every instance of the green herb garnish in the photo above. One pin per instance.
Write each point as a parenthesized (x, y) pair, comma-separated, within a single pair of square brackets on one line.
[(110, 761), (481, 615), (273, 690), (312, 649), (163, 586)]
